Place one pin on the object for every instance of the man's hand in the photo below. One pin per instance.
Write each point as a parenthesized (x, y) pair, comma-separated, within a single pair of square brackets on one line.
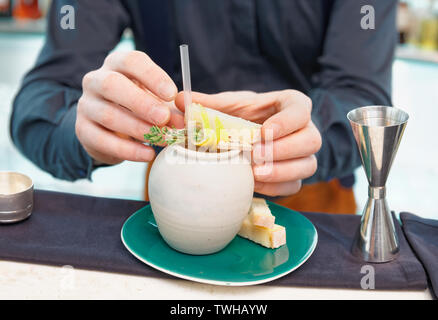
[(119, 104), (286, 119)]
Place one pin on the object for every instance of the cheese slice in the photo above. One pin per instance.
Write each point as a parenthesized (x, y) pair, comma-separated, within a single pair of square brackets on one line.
[(260, 215), (268, 237)]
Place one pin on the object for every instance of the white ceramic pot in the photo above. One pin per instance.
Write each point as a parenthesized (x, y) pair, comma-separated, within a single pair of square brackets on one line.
[(199, 199)]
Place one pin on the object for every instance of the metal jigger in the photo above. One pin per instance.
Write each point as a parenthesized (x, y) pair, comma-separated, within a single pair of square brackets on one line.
[(378, 131)]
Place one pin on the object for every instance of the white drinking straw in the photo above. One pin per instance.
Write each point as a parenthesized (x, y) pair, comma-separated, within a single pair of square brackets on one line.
[(185, 67), (187, 87)]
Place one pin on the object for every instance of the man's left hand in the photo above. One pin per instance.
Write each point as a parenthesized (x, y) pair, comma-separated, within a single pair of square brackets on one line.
[(287, 127)]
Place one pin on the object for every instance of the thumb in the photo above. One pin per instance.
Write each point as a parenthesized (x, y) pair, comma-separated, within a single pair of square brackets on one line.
[(223, 101), (197, 97)]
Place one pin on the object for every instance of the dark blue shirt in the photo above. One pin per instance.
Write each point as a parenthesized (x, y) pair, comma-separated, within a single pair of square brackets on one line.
[(315, 46)]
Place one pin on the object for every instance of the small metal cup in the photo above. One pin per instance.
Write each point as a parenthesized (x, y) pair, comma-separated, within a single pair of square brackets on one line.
[(378, 131), (16, 197)]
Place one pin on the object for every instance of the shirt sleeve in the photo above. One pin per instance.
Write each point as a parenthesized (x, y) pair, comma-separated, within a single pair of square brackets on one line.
[(355, 71), (44, 110)]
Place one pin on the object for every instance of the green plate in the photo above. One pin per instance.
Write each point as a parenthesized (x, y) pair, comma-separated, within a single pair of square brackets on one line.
[(241, 263)]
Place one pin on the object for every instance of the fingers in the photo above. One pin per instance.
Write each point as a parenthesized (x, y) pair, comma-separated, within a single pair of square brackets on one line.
[(120, 102), (138, 65), (98, 141), (294, 112), (116, 87), (277, 189), (113, 117), (300, 144), (287, 170), (283, 178)]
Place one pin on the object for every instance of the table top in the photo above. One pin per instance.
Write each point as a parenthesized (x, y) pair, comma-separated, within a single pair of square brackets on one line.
[(31, 281)]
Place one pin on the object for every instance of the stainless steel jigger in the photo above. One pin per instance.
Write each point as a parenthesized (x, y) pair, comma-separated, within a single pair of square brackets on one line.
[(378, 131)]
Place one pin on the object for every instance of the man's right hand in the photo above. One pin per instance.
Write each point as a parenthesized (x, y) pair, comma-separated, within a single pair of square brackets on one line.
[(119, 104)]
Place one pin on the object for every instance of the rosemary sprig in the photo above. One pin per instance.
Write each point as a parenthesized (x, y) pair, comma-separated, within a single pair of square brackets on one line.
[(158, 136)]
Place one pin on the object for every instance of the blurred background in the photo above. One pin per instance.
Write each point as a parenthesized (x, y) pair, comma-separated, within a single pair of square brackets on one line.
[(413, 181)]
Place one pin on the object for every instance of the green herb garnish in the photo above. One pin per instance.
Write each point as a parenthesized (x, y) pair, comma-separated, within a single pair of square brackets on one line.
[(157, 136)]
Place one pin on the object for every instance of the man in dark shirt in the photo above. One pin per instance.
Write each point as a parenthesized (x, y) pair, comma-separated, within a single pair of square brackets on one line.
[(80, 106)]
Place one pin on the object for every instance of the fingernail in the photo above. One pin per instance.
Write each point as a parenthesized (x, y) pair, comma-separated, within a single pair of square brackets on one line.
[(259, 170), (145, 154), (257, 152), (272, 130), (263, 171), (166, 90), (159, 115)]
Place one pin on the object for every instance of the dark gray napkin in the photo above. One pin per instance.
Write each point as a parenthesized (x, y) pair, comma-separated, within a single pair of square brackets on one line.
[(76, 230), (84, 232), (422, 235), (332, 264)]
